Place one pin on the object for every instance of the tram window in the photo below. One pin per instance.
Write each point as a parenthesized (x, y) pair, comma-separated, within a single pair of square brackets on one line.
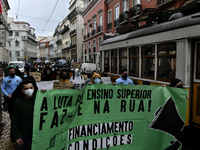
[(166, 61), (114, 61), (134, 61), (198, 62), (106, 61), (122, 59), (148, 61)]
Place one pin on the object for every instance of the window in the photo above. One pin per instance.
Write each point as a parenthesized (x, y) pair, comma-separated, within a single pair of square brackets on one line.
[(100, 40), (134, 61), (166, 60), (94, 25), (122, 59), (16, 33), (148, 61), (198, 62), (90, 29), (109, 25), (85, 30), (116, 21), (100, 24), (117, 12), (109, 16), (16, 43), (100, 21), (17, 54), (124, 5), (94, 46), (89, 47), (85, 48), (11, 33), (135, 2), (106, 61), (114, 61)]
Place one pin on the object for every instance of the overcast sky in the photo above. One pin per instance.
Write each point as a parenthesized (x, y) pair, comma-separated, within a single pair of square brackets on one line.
[(37, 12)]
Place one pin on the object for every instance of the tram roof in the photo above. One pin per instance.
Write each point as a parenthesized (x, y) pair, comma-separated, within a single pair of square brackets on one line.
[(185, 21)]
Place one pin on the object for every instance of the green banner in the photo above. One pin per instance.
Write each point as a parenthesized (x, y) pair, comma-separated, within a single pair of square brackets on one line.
[(110, 117)]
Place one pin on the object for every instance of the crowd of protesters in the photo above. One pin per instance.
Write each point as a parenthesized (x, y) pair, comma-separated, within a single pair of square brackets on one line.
[(19, 89)]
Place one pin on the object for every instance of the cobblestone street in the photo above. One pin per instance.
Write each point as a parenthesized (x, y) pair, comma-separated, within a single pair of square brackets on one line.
[(5, 141)]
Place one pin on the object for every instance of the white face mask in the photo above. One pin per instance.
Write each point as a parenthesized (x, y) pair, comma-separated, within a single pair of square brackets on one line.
[(29, 92)]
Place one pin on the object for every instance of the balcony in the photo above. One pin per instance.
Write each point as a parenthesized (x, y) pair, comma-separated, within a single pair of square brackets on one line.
[(72, 46), (162, 3), (59, 42), (99, 29), (66, 49), (123, 17), (135, 10), (4, 22), (73, 32), (72, 14), (66, 28), (93, 32), (109, 26), (116, 22)]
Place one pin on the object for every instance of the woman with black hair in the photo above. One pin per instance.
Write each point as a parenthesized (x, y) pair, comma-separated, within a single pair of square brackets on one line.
[(64, 76)]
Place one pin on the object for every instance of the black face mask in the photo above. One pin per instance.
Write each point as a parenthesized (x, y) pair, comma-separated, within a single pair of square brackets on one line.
[(64, 77), (12, 75), (125, 76)]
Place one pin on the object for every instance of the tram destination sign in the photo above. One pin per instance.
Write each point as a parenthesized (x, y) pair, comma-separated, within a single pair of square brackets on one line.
[(109, 117)]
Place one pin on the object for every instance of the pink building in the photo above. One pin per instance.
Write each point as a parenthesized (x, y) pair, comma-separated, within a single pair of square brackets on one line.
[(94, 29)]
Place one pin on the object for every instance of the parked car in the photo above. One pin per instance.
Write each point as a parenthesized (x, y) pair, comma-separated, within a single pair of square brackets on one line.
[(20, 64)]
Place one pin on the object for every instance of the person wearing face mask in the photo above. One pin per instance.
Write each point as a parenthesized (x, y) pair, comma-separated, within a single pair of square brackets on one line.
[(124, 79), (96, 79), (64, 76), (22, 117), (26, 76), (9, 85)]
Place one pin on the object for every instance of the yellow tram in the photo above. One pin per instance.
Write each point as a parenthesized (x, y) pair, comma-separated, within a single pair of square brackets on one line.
[(157, 54)]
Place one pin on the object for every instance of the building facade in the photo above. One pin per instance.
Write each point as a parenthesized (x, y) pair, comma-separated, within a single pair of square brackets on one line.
[(76, 8), (22, 41), (135, 57), (94, 29), (65, 32), (44, 48), (58, 45), (4, 31)]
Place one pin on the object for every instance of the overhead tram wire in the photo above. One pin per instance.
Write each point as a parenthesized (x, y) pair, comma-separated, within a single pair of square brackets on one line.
[(34, 18), (50, 15), (18, 10)]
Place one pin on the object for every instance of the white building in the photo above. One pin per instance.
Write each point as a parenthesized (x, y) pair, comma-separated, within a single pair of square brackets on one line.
[(58, 45), (66, 41), (4, 30), (76, 29), (23, 45)]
